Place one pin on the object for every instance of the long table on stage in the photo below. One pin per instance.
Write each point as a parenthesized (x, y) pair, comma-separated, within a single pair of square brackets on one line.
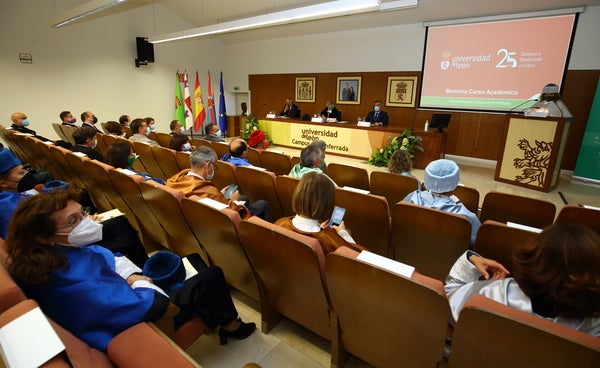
[(347, 139)]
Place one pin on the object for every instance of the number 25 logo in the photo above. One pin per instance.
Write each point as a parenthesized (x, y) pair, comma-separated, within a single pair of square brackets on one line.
[(507, 60)]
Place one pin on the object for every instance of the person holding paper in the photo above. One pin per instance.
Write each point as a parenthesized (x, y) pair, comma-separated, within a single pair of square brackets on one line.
[(377, 117), (120, 156), (91, 292), (290, 110), (314, 201), (555, 276), (330, 112)]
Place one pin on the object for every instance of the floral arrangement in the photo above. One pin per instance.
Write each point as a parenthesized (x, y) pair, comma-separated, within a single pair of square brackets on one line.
[(405, 141), (249, 124)]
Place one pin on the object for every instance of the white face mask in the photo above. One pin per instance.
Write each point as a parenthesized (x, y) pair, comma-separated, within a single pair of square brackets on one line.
[(219, 133), (86, 232), (186, 146), (148, 131)]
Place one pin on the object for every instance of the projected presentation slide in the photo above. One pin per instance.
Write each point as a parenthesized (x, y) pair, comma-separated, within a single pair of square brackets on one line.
[(496, 66)]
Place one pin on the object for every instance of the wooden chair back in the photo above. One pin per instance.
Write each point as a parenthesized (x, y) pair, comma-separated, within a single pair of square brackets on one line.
[(393, 187), (164, 203), (146, 157), (576, 214), (367, 300), (347, 175), (225, 174), (59, 132), (276, 162), (285, 186), (95, 177), (75, 162), (197, 142), (290, 274), (153, 234), (68, 133), (165, 157), (183, 160), (368, 219), (259, 184), (221, 148), (254, 157), (493, 335), (164, 139), (469, 197), (504, 207), (428, 239), (497, 241), (217, 231)]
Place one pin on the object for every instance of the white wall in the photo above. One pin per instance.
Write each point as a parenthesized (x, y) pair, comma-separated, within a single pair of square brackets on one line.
[(90, 66)]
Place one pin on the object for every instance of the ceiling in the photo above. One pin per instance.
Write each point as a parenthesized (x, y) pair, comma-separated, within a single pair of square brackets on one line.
[(208, 12)]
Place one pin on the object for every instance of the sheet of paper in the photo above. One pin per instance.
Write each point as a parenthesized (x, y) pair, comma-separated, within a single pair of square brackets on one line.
[(388, 264), (80, 154), (110, 214), (591, 207), (214, 204), (523, 227), (357, 190), (127, 172), (29, 340), (189, 269)]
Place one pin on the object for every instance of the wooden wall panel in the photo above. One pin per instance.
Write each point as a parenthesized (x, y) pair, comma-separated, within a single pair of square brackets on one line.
[(471, 134)]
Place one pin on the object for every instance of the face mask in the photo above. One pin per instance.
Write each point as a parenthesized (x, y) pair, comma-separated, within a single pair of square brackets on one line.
[(24, 122), (95, 120), (186, 147), (151, 127), (87, 232), (72, 120), (219, 133), (376, 108), (212, 175), (130, 160), (26, 183), (148, 131), (331, 107)]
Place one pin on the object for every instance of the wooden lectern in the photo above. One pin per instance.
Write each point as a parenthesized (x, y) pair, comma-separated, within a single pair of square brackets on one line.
[(533, 151)]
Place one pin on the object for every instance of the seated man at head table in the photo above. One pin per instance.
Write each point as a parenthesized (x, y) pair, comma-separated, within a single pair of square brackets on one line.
[(290, 110), (331, 112), (377, 117)]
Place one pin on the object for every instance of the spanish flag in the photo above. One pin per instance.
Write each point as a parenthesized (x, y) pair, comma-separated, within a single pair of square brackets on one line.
[(199, 112)]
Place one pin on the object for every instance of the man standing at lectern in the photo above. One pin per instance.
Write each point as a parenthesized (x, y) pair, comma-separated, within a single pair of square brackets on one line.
[(377, 117), (290, 110)]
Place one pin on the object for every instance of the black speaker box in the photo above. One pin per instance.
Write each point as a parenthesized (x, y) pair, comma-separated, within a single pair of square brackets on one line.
[(145, 50)]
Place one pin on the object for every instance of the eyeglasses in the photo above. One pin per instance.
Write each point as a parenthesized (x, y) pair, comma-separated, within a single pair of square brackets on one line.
[(73, 221)]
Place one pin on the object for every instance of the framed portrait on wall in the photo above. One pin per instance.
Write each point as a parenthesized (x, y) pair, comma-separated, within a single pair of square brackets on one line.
[(348, 90), (305, 89), (401, 91)]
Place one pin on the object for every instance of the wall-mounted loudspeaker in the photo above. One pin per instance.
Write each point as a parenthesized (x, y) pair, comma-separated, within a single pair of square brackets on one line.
[(145, 51)]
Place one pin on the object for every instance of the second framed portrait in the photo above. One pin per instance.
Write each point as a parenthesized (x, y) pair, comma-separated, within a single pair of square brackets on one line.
[(305, 89), (401, 91), (348, 90)]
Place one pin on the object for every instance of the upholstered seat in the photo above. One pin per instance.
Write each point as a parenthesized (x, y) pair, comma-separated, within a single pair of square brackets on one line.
[(504, 207), (276, 162), (347, 175), (393, 187)]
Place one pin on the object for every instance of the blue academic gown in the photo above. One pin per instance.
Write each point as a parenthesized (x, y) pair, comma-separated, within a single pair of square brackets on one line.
[(237, 161), (446, 204), (8, 204), (89, 298)]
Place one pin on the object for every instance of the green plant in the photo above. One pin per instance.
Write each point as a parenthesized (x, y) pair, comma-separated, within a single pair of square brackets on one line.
[(404, 140), (249, 124)]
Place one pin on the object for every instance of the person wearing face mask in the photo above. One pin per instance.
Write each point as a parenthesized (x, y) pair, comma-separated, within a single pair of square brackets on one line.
[(377, 117), (181, 143), (176, 127), (331, 112), (67, 118), (96, 294), (212, 133), (89, 119), (86, 142), (197, 181), (151, 124), (139, 128), (20, 123), (120, 156)]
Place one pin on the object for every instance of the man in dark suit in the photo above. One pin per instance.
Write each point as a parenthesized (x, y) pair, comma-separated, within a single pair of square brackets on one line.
[(68, 119), (377, 117), (290, 110), (20, 123), (86, 141), (89, 119)]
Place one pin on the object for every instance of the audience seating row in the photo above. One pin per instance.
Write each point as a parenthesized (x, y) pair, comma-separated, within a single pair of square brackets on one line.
[(362, 309)]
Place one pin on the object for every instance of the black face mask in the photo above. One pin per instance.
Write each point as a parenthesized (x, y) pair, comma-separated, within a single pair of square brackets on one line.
[(95, 120), (27, 182)]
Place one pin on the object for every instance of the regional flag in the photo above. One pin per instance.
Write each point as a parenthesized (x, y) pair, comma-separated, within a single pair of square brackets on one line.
[(179, 109), (189, 120), (199, 112), (211, 103), (222, 109)]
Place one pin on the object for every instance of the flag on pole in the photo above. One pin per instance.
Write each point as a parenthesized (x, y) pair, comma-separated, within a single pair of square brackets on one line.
[(189, 120), (179, 110), (222, 109), (211, 103), (199, 112)]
